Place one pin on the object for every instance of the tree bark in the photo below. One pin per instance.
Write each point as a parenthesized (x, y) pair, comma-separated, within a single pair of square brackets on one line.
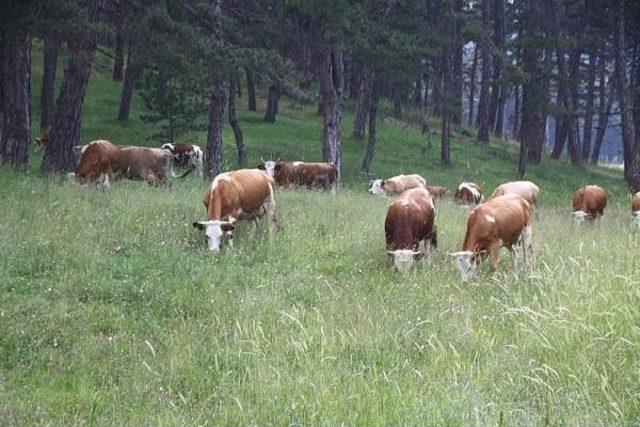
[(65, 128), (373, 115), (472, 84), (118, 60), (251, 90), (133, 73), (235, 124), (272, 102), (362, 106), (213, 152), (448, 90), (560, 137), (457, 63), (47, 101), (483, 120), (16, 103), (573, 106), (331, 76), (589, 108), (498, 41), (630, 147), (604, 110)]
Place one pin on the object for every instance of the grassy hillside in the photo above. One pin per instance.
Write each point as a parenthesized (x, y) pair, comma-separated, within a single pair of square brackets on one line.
[(113, 312)]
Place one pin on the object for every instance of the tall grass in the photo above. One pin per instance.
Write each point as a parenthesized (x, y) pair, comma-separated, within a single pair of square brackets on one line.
[(112, 310)]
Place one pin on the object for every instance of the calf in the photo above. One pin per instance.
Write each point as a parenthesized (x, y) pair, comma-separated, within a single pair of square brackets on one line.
[(635, 207), (185, 155), (588, 204), (500, 222), (468, 193), (305, 174), (410, 227), (436, 191), (102, 161), (525, 189), (245, 194), (396, 185)]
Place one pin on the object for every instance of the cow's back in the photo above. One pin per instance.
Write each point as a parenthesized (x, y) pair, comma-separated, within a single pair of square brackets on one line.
[(590, 199), (97, 159), (244, 190), (500, 219), (410, 218), (525, 189)]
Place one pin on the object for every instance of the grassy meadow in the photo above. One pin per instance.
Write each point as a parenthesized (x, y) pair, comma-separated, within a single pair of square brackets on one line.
[(113, 312)]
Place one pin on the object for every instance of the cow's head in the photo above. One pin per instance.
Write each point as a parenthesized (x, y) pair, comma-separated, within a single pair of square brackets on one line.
[(579, 217), (215, 230), (403, 259), (466, 263), (269, 166), (168, 146), (377, 188)]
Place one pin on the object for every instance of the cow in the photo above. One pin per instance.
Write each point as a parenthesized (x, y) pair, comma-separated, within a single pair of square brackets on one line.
[(186, 155), (635, 207), (500, 222), (437, 192), (305, 174), (43, 139), (244, 194), (396, 185), (468, 193), (525, 189), (410, 228), (588, 204), (101, 161)]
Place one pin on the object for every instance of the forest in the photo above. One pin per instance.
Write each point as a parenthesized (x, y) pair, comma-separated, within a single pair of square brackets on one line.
[(114, 311)]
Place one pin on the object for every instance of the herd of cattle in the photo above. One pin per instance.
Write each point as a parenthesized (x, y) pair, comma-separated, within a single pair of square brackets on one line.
[(502, 221)]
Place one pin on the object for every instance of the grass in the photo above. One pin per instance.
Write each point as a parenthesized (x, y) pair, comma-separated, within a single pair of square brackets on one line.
[(113, 312)]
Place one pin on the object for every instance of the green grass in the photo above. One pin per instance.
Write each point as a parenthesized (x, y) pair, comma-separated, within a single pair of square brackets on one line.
[(113, 312)]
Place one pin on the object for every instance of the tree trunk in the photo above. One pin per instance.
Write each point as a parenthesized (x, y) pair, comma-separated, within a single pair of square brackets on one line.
[(560, 137), (483, 107), (631, 155), (67, 118), (251, 90), (362, 106), (589, 108), (515, 132), (500, 113), (134, 72), (118, 60), (573, 106), (472, 84), (213, 152), (447, 89), (604, 110), (235, 125), (16, 126), (436, 90), (457, 63), (498, 41), (373, 113), (47, 101), (272, 102), (331, 76)]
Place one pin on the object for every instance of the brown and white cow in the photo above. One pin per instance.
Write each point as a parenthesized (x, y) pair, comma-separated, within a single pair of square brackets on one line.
[(101, 161), (525, 189), (244, 194), (186, 155), (468, 193), (588, 204), (305, 174), (635, 207), (500, 222), (396, 185), (43, 139), (410, 228), (437, 192)]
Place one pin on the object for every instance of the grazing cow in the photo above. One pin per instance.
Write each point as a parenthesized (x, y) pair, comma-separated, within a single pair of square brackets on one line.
[(396, 185), (468, 193), (437, 192), (500, 222), (310, 175), (588, 204), (245, 194), (410, 228), (525, 189), (185, 155), (101, 161), (43, 140), (635, 207)]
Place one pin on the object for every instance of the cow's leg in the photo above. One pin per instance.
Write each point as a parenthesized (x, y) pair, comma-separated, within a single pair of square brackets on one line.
[(428, 248), (527, 247), (494, 252), (514, 258), (270, 207), (254, 224), (103, 181)]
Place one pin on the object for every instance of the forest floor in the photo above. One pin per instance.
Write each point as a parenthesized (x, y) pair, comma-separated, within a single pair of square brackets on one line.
[(113, 312)]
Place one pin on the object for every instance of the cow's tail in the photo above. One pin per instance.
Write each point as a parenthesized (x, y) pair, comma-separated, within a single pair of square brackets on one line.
[(271, 210)]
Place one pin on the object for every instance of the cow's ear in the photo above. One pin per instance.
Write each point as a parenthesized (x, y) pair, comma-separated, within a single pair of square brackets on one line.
[(277, 167), (261, 166), (197, 225), (77, 148), (381, 183)]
